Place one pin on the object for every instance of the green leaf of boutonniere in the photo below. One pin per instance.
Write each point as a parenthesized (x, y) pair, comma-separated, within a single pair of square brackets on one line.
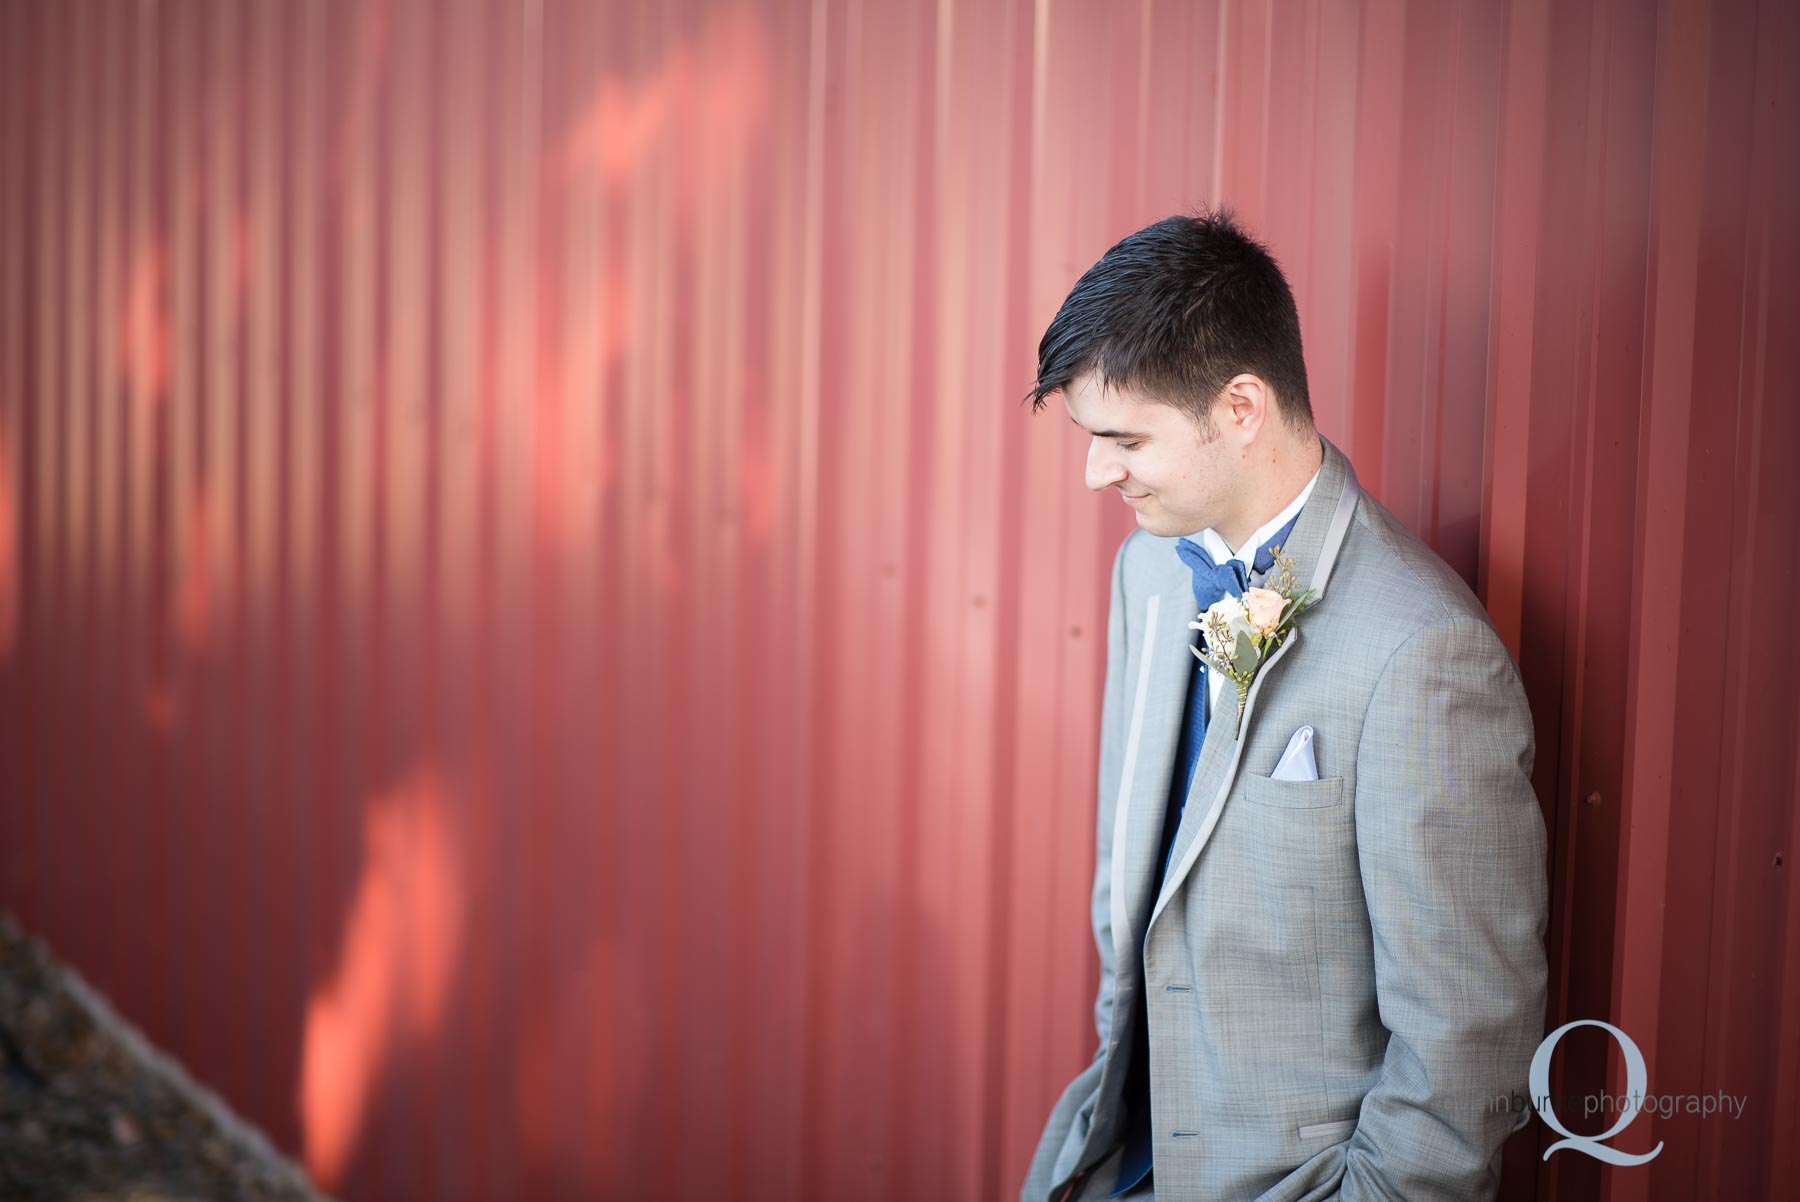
[(1246, 658)]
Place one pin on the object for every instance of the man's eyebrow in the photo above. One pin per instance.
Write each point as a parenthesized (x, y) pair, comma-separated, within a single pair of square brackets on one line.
[(1126, 434)]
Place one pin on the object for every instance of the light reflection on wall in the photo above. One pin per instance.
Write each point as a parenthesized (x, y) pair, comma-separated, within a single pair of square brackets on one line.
[(398, 962)]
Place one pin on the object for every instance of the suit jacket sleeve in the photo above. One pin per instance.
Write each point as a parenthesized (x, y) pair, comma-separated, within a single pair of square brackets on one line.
[(1112, 745), (1451, 845)]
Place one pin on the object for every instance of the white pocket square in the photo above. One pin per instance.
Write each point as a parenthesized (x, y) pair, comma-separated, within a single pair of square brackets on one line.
[(1297, 763)]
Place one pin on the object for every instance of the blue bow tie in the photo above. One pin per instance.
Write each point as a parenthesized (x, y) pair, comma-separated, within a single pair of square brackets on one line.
[(1212, 581)]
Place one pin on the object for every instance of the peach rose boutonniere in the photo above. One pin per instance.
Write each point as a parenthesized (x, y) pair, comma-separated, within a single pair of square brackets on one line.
[(1240, 633)]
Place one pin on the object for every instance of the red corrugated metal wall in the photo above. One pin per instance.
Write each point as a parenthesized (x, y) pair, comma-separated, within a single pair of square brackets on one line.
[(541, 655)]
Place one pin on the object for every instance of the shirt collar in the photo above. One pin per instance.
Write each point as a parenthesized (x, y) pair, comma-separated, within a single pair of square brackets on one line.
[(1246, 554)]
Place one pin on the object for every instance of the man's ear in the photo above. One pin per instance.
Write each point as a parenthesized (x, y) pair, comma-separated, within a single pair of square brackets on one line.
[(1244, 405)]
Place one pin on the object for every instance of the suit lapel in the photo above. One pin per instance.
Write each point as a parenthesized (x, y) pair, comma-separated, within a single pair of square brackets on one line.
[(1313, 545), (1163, 674)]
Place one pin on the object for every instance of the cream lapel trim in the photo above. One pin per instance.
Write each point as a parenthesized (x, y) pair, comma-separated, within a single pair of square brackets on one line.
[(1334, 540), (1121, 925)]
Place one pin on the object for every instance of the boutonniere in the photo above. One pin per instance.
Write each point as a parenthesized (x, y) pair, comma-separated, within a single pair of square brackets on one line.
[(1240, 633)]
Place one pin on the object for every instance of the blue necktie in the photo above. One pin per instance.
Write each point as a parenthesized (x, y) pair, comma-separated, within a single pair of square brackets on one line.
[(1212, 581)]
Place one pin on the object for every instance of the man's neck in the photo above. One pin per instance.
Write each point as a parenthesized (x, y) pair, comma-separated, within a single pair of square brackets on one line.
[(1295, 465)]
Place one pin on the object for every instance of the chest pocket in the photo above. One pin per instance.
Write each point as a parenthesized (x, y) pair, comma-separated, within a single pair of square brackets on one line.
[(1293, 794)]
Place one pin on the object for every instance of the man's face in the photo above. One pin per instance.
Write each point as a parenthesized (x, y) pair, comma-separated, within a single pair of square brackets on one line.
[(1178, 478)]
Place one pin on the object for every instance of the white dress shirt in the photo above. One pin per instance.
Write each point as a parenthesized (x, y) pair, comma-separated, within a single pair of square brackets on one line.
[(1246, 555)]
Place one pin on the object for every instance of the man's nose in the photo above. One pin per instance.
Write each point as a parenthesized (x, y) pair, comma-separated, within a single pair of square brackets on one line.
[(1103, 467)]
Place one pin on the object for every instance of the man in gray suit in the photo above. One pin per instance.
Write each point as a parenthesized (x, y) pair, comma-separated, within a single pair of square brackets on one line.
[(1320, 920)]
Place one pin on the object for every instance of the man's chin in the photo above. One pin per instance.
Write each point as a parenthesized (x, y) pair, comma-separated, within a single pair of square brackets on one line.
[(1165, 527), (1153, 525)]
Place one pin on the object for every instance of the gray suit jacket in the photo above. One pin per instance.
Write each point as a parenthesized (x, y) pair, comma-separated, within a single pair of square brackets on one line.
[(1342, 975)]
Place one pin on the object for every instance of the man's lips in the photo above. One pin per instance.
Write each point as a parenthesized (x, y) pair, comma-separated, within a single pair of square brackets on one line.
[(1132, 499)]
